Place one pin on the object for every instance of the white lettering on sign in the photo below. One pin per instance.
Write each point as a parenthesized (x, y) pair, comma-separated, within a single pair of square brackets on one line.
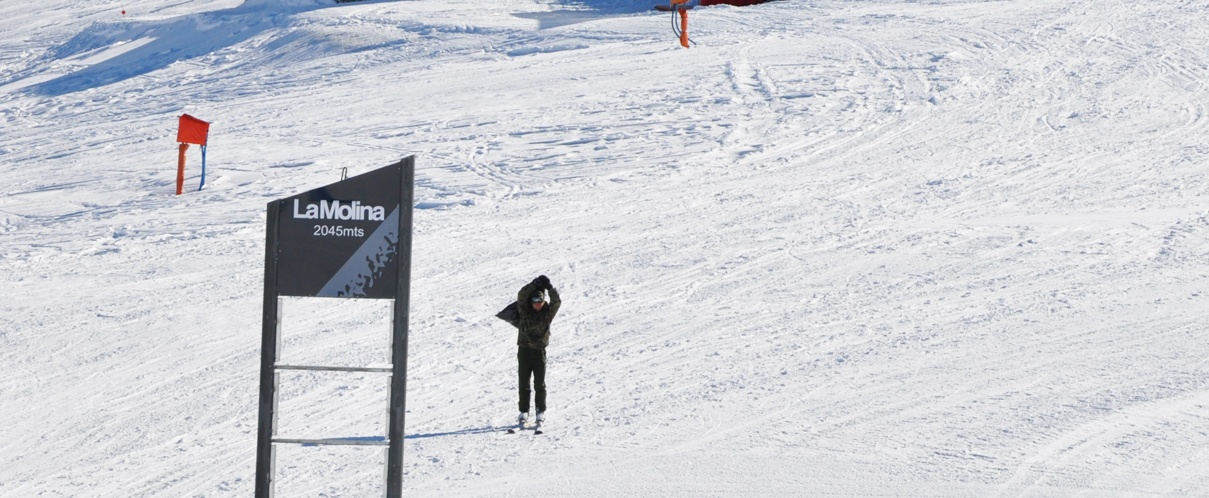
[(338, 231), (336, 210)]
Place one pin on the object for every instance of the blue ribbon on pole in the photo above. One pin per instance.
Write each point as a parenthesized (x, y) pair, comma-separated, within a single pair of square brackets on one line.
[(203, 175)]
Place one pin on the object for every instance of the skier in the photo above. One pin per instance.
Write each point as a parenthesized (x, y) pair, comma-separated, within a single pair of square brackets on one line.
[(533, 335)]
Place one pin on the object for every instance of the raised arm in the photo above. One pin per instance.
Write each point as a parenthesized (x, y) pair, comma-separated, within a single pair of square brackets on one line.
[(522, 297), (555, 301)]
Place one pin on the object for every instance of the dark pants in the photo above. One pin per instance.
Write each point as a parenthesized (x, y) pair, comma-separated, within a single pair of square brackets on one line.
[(531, 362)]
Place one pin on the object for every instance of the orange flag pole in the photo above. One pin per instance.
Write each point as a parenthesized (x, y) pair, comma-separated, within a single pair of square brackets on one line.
[(684, 28), (180, 169), (679, 7), (191, 131)]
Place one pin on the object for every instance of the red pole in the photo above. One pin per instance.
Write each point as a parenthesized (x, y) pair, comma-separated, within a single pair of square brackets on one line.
[(180, 169), (683, 28)]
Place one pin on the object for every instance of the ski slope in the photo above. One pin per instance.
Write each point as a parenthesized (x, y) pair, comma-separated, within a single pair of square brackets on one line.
[(837, 248)]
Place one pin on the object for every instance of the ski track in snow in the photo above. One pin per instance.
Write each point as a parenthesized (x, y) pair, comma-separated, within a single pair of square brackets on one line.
[(943, 248)]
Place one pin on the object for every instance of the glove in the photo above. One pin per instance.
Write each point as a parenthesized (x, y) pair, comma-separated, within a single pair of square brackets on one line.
[(542, 282)]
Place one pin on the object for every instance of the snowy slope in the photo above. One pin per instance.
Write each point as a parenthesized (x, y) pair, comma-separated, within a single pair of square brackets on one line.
[(854, 248)]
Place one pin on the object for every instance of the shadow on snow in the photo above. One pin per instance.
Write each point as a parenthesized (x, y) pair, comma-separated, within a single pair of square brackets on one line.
[(477, 430), (160, 43), (111, 52), (382, 439), (577, 11)]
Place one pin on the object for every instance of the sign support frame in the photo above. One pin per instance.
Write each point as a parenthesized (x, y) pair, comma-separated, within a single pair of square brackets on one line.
[(270, 345), (398, 384)]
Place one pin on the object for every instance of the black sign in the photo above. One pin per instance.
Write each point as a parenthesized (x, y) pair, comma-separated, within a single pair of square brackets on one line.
[(348, 239), (342, 240)]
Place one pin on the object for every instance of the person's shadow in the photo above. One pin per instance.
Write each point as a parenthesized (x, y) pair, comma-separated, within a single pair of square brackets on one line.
[(476, 430), (113, 52), (380, 440)]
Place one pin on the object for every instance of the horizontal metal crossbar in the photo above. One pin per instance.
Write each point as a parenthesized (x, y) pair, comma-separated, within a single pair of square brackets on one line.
[(336, 441), (336, 369)]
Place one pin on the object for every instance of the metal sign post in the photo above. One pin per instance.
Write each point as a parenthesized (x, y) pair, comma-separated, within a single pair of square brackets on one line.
[(398, 384), (350, 239)]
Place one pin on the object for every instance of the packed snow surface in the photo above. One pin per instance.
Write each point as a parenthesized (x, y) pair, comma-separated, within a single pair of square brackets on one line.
[(836, 248)]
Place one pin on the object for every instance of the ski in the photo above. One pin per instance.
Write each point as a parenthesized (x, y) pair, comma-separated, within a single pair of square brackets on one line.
[(536, 428)]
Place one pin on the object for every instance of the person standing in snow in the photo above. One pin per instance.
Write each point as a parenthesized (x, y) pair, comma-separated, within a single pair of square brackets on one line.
[(533, 335)]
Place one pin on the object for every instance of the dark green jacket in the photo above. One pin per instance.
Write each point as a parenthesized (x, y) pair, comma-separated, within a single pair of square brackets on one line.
[(534, 329)]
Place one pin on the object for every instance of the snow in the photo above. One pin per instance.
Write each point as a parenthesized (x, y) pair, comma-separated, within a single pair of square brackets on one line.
[(854, 248)]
